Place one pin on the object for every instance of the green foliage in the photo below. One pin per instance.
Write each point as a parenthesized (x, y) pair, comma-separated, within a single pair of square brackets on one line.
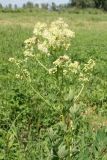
[(90, 3), (31, 129), (84, 3), (105, 5)]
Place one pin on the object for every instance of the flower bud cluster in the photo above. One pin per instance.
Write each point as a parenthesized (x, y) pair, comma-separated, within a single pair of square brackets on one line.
[(66, 64), (23, 72), (29, 46), (86, 71), (15, 61), (48, 39), (89, 65)]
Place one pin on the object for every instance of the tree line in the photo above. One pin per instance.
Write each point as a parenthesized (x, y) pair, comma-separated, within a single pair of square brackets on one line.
[(30, 5), (72, 3), (89, 3)]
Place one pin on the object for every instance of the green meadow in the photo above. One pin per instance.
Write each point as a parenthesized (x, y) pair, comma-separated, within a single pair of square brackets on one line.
[(29, 128)]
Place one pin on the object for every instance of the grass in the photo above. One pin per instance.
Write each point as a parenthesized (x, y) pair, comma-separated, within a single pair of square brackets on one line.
[(24, 117)]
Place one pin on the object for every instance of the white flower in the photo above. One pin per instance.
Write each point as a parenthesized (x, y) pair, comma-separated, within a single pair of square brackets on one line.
[(43, 47), (57, 35), (83, 78), (89, 65), (18, 76), (28, 53), (52, 70), (30, 40), (39, 27), (61, 60), (74, 67), (11, 59)]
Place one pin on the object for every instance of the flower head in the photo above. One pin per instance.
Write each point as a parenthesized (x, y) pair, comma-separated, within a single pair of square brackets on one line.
[(61, 60)]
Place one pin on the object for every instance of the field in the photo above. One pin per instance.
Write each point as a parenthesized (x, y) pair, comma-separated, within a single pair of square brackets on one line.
[(30, 128)]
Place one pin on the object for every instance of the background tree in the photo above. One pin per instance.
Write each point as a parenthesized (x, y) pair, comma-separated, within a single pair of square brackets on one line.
[(15, 6), (54, 6), (29, 5), (9, 6), (73, 2), (24, 5), (37, 5), (98, 3), (1, 6), (105, 5), (44, 5), (89, 3), (86, 3)]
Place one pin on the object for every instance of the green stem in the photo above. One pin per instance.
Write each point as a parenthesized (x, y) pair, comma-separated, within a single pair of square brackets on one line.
[(37, 91), (42, 65), (76, 98), (62, 79), (13, 123), (40, 95), (57, 74)]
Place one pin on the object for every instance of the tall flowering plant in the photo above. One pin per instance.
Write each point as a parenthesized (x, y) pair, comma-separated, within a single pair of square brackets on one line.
[(47, 49)]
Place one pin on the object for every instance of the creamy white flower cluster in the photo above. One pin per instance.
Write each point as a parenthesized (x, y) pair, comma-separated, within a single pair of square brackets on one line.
[(23, 75), (15, 61), (29, 43), (23, 72), (65, 63), (89, 65), (86, 71), (49, 38)]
